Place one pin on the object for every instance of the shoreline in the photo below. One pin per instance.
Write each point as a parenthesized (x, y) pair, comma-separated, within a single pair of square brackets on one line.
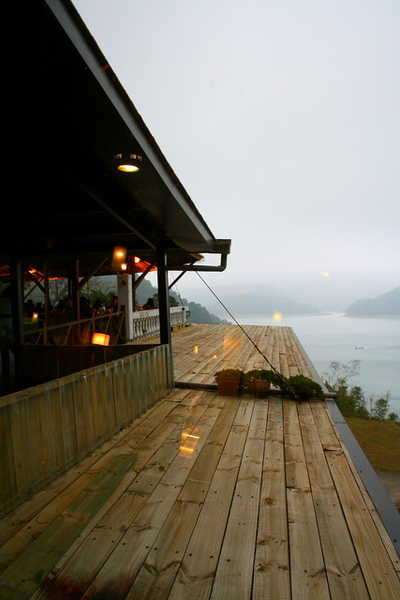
[(369, 316)]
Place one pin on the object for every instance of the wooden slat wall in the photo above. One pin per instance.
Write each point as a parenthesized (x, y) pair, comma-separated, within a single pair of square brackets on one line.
[(46, 429)]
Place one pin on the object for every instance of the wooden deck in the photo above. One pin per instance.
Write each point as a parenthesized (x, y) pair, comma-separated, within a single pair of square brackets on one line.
[(208, 496)]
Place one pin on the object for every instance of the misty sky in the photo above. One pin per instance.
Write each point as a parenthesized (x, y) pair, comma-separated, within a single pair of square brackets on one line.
[(281, 120)]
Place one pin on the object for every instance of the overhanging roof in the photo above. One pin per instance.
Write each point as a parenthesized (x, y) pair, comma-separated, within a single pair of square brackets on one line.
[(69, 116)]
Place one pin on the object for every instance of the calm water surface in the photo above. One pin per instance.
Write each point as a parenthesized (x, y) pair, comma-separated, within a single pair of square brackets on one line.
[(334, 337)]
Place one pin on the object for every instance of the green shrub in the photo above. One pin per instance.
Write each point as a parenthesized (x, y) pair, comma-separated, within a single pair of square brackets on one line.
[(303, 387)]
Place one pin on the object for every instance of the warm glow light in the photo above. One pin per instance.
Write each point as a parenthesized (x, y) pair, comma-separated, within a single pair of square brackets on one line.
[(215, 357), (188, 443), (101, 339), (128, 163), (136, 259), (325, 274), (186, 450), (196, 350), (277, 316), (119, 257), (128, 168), (228, 341), (124, 266), (35, 316)]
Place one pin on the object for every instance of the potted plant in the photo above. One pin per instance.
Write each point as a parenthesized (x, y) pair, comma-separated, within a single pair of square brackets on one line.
[(228, 381), (258, 382)]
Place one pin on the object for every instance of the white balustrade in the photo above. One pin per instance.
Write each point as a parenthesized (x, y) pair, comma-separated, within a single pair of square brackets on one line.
[(146, 323)]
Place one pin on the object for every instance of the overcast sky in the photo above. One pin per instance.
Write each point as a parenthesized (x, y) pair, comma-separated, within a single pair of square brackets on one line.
[(281, 120)]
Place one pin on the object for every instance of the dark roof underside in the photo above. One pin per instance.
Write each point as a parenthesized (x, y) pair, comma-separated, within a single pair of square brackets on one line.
[(68, 116)]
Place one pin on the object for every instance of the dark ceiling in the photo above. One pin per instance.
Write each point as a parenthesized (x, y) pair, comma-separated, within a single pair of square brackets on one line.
[(67, 117)]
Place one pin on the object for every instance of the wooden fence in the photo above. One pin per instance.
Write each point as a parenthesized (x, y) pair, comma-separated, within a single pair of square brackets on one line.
[(46, 429)]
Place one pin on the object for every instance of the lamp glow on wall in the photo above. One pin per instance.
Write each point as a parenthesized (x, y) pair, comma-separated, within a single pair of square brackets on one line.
[(128, 163)]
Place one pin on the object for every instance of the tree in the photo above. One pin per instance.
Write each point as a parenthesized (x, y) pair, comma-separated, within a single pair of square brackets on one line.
[(380, 408), (97, 288), (394, 417), (172, 300), (357, 399), (350, 403), (339, 373)]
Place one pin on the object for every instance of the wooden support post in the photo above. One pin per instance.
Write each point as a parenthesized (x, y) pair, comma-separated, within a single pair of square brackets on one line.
[(75, 290), (46, 303), (125, 302), (163, 297), (17, 299)]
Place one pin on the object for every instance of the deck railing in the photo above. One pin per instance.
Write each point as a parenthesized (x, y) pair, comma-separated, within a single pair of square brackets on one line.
[(47, 428), (147, 322), (77, 332)]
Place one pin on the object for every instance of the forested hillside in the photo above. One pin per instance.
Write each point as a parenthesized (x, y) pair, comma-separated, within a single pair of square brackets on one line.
[(198, 313), (386, 305)]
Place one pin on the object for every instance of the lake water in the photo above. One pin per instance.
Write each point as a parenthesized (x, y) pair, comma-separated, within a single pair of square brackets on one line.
[(335, 337)]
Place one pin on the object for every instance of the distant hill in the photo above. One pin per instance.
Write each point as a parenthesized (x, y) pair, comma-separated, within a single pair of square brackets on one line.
[(200, 314), (197, 312), (387, 305), (259, 300)]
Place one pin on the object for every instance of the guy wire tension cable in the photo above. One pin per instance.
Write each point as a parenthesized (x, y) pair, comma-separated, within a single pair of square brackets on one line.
[(287, 385)]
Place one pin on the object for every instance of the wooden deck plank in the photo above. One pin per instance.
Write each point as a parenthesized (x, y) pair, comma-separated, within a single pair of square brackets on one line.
[(196, 573), (376, 565), (119, 572), (30, 568), (332, 443), (47, 499), (152, 462), (159, 570), (234, 574), (271, 571), (295, 461), (341, 562), (229, 497), (307, 569), (70, 486)]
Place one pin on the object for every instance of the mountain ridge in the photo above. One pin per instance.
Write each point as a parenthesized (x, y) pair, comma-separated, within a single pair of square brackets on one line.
[(385, 305), (258, 299)]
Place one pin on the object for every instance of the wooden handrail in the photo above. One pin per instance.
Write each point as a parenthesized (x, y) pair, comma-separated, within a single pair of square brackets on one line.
[(78, 332), (146, 323)]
